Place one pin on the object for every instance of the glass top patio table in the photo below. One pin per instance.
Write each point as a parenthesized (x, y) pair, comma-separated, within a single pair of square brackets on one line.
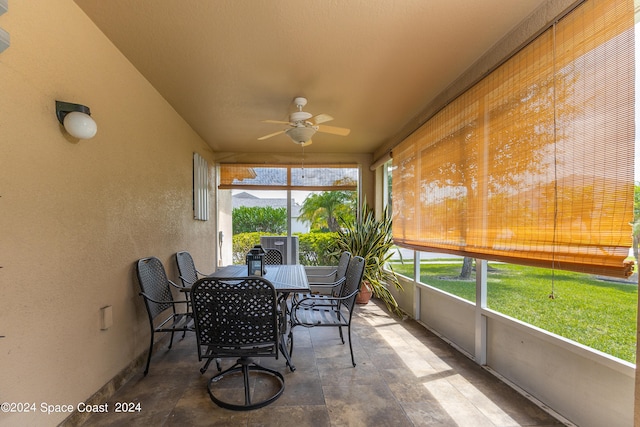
[(285, 278)]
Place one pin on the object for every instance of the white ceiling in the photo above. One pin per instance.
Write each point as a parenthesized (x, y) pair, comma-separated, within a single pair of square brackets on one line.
[(225, 65)]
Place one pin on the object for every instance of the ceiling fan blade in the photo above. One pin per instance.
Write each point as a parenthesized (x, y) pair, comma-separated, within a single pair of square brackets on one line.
[(320, 118), (275, 121), (270, 135), (334, 130)]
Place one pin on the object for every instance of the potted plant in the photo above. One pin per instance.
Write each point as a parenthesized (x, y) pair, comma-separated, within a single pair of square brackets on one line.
[(371, 239)]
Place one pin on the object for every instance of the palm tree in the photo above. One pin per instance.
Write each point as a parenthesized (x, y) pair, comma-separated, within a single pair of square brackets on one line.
[(322, 210)]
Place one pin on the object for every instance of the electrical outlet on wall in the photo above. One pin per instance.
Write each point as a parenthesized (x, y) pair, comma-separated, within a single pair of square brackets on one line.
[(106, 317)]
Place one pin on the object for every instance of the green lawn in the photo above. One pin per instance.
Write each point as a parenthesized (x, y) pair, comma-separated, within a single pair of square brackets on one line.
[(597, 313)]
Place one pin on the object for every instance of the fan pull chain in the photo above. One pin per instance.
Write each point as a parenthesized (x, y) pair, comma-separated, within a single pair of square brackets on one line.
[(303, 162)]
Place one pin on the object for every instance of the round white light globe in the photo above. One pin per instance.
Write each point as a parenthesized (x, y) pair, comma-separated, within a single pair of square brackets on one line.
[(80, 125)]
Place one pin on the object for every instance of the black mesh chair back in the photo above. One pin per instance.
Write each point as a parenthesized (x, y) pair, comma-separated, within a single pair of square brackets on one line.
[(330, 311), (186, 269), (273, 257), (351, 286), (155, 289), (328, 284), (238, 317), (341, 271), (343, 264)]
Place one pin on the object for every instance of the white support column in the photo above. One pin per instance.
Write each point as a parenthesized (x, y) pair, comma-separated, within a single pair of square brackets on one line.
[(416, 289), (481, 320), (289, 255)]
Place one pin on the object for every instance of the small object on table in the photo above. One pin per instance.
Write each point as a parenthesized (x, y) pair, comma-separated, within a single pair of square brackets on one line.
[(255, 261)]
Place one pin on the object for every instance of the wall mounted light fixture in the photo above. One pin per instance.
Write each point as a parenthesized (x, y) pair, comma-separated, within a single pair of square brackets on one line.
[(76, 119), (4, 36)]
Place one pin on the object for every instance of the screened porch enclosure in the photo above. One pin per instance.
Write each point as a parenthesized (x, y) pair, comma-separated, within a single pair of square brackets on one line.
[(290, 208), (534, 164)]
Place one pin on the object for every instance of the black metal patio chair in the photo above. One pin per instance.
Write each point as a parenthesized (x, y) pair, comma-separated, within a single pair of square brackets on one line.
[(328, 273), (325, 281), (155, 289), (239, 318), (187, 269), (273, 257), (330, 311), (328, 280)]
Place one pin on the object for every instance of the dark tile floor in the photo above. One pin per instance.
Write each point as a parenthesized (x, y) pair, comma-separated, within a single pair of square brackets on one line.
[(405, 376)]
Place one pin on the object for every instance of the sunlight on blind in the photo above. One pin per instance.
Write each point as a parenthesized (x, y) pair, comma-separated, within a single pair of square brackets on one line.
[(325, 177), (534, 164)]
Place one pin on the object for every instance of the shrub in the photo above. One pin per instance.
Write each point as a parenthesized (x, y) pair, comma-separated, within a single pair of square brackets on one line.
[(242, 243), (314, 248), (261, 219)]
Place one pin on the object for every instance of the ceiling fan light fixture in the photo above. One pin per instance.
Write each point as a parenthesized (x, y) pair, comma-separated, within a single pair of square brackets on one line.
[(303, 125), (301, 134), (299, 116)]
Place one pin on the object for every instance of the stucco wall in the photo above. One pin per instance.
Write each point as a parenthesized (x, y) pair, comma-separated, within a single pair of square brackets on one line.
[(75, 215)]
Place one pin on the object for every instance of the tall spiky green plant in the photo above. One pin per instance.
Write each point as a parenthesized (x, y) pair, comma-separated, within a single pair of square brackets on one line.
[(371, 239)]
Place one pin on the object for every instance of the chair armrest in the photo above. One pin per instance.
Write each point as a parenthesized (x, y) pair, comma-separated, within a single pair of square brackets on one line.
[(147, 297), (331, 285), (178, 287), (203, 274), (320, 271), (325, 301), (333, 273), (185, 280)]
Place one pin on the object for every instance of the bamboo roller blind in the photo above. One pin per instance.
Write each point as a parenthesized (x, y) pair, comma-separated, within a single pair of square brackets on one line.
[(315, 177), (534, 164)]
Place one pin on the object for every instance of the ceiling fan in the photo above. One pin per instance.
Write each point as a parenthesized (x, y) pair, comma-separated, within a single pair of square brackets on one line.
[(302, 125)]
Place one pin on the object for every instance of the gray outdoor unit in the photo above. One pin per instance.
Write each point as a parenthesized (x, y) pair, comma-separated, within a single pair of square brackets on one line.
[(281, 243)]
